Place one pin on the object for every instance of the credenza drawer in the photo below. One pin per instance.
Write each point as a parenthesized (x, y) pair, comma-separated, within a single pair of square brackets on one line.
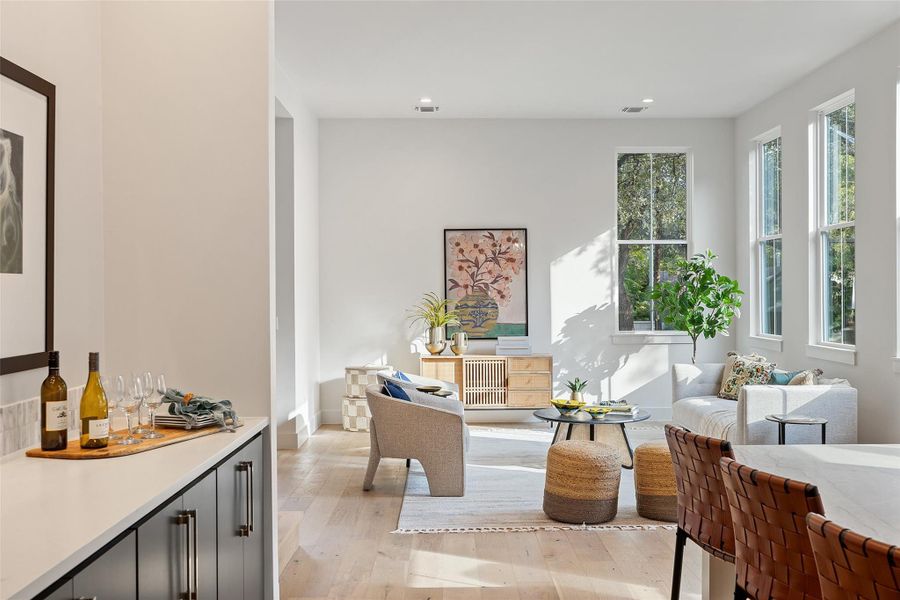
[(528, 399), (529, 381), (530, 363)]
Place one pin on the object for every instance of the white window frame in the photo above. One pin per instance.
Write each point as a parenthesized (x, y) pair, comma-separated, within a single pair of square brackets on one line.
[(653, 336), (819, 346), (760, 237)]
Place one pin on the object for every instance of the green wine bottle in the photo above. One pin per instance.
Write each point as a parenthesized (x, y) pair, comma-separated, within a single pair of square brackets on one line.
[(94, 410), (54, 408)]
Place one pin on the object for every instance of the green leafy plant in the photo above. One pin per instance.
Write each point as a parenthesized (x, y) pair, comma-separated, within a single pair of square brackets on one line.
[(576, 385), (432, 312), (698, 300)]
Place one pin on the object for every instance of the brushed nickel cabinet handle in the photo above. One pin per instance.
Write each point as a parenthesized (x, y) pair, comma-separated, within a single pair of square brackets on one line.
[(184, 518), (192, 515), (246, 466), (250, 496)]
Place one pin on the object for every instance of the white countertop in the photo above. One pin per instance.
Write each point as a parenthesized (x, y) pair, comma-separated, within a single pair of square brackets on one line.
[(56, 513)]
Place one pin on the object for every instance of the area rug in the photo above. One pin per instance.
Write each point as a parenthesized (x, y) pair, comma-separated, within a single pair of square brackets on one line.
[(505, 488)]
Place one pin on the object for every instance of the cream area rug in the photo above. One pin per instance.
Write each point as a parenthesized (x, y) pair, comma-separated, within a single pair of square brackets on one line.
[(505, 487)]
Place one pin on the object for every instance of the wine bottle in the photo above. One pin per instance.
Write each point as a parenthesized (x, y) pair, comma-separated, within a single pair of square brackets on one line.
[(94, 409), (54, 408)]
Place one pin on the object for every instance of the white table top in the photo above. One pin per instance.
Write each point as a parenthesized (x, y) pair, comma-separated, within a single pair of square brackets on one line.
[(859, 484), (56, 513)]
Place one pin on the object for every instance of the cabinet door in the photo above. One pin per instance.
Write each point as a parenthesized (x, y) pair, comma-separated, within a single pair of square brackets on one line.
[(231, 496), (201, 499), (112, 575), (162, 554), (254, 546)]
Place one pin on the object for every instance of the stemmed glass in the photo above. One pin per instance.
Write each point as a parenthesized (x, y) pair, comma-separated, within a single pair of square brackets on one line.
[(131, 403), (153, 401), (112, 399), (147, 386)]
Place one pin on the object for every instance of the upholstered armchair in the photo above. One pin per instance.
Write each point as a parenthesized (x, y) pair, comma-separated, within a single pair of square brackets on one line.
[(427, 428)]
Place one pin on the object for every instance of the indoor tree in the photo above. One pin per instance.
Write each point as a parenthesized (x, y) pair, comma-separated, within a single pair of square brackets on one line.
[(698, 299)]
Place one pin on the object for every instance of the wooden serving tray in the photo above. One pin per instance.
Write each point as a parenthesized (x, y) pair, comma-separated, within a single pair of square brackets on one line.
[(172, 436)]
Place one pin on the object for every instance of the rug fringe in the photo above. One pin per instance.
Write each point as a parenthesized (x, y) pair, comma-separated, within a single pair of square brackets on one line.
[(532, 528)]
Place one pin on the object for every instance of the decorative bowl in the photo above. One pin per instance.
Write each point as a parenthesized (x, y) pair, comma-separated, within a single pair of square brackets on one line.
[(428, 389), (595, 410), (567, 407)]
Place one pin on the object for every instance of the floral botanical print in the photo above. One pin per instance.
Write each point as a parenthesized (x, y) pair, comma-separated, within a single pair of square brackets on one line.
[(745, 370), (486, 280)]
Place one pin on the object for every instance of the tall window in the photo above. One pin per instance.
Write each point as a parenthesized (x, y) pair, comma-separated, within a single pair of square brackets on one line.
[(651, 232), (836, 221), (768, 161)]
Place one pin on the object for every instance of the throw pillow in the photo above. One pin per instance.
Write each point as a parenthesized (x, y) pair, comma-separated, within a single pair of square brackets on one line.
[(838, 381), (780, 377), (745, 370), (402, 376), (808, 377), (395, 391), (729, 365)]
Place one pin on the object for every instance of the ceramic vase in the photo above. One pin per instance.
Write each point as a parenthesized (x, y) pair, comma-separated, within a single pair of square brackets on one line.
[(459, 343)]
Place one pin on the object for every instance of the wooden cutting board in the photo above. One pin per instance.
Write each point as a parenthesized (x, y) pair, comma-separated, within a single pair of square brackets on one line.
[(172, 436)]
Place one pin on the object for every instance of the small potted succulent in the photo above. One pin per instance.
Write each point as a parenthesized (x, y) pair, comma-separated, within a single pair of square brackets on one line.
[(576, 386)]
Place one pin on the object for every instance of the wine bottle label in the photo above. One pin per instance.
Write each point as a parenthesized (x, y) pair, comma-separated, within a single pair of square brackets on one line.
[(57, 416), (98, 429)]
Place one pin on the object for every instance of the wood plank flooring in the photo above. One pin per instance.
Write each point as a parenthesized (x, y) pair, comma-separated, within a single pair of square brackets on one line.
[(339, 542)]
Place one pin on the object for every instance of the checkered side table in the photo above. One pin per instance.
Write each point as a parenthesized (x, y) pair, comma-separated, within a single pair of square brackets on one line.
[(355, 413)]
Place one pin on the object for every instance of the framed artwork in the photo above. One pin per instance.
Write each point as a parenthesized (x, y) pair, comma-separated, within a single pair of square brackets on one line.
[(27, 140), (486, 280)]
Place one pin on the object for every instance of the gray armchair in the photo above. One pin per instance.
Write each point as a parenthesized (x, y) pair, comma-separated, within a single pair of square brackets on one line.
[(428, 429)]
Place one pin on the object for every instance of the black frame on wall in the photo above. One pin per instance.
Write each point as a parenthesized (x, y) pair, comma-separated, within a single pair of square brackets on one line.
[(524, 237), (37, 360)]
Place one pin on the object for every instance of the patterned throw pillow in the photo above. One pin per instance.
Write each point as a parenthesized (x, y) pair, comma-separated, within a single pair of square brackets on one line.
[(745, 370)]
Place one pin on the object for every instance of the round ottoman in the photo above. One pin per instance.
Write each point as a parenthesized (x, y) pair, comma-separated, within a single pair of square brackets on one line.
[(654, 482), (582, 484)]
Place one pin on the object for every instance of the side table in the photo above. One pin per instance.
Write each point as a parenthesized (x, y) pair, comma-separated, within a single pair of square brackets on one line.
[(784, 420)]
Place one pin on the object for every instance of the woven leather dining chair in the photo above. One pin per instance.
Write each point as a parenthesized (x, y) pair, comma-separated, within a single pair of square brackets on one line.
[(704, 515), (773, 555), (852, 566)]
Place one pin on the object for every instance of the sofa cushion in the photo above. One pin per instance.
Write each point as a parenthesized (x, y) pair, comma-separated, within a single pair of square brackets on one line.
[(707, 415), (402, 376), (779, 377), (808, 377), (745, 370), (395, 391)]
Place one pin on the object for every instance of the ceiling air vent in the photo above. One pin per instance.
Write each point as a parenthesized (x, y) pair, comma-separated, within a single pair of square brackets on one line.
[(427, 108), (634, 109)]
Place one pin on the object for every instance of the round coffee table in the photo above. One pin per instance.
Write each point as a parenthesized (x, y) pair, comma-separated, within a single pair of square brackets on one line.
[(613, 436)]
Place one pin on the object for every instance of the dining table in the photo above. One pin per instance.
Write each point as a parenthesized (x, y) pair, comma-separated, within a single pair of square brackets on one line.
[(859, 485)]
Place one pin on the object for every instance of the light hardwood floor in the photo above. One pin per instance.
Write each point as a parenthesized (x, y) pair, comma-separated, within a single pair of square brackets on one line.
[(335, 541)]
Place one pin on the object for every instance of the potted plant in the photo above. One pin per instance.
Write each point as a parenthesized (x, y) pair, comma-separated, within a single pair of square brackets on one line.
[(576, 386), (698, 300), (435, 314)]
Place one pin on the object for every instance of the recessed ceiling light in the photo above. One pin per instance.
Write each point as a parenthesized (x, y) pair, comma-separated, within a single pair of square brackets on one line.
[(647, 100), (425, 100)]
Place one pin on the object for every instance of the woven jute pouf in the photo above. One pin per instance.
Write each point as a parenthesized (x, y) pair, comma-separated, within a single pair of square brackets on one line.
[(654, 482), (582, 484)]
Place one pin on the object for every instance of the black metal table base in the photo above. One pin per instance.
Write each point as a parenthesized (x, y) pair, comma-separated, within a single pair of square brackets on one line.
[(591, 435)]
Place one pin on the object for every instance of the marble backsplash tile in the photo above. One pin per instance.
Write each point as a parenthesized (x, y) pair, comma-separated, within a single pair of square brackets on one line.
[(20, 422)]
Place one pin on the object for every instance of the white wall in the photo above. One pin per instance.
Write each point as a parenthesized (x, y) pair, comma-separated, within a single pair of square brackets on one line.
[(872, 70), (306, 258), (60, 41), (185, 147), (390, 187)]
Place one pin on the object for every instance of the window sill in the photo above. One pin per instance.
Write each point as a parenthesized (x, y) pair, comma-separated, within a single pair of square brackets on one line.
[(638, 338), (773, 344), (897, 364), (845, 356)]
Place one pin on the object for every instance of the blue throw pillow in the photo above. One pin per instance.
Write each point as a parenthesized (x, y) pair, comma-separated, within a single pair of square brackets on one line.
[(395, 391), (782, 377), (402, 376)]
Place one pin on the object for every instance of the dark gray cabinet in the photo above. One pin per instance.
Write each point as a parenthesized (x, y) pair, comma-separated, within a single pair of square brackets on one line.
[(206, 543), (177, 546), (113, 574), (241, 530)]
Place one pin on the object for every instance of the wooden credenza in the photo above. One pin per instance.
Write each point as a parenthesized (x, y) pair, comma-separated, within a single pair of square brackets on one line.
[(489, 381)]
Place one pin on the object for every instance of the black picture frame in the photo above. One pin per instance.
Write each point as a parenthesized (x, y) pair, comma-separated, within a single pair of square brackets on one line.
[(37, 360), (524, 231)]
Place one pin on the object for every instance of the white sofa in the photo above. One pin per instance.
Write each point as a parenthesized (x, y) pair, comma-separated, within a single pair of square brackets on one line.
[(696, 407)]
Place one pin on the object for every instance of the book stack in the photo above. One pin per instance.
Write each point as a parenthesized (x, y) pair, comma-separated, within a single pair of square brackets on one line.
[(513, 346)]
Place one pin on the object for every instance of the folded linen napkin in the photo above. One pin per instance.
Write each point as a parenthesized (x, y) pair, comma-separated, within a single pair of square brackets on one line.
[(196, 406)]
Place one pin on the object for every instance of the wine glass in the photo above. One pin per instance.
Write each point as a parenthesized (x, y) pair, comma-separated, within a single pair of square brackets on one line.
[(112, 400), (148, 389), (153, 401), (131, 403)]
